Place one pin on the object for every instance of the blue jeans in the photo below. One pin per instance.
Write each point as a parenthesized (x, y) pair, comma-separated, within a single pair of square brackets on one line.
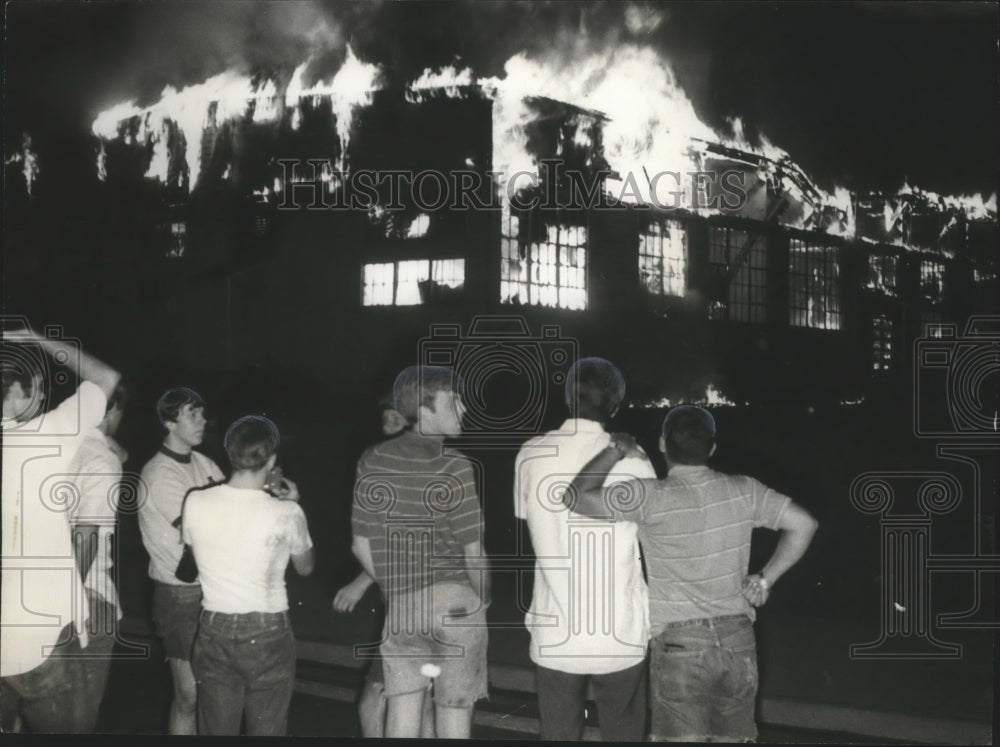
[(703, 678), (63, 694), (244, 663)]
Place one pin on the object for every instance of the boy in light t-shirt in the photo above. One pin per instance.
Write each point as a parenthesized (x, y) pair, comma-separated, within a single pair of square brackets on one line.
[(243, 538)]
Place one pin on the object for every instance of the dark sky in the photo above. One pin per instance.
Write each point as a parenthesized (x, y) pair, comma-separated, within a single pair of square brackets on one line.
[(861, 94)]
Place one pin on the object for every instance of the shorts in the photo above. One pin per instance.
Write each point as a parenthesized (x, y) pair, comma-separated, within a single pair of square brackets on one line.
[(176, 610), (443, 625)]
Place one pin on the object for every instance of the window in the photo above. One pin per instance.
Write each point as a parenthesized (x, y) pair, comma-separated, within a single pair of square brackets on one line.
[(740, 257), (932, 280), (178, 240), (882, 343), (813, 287), (882, 273), (663, 258), (411, 282), (551, 272)]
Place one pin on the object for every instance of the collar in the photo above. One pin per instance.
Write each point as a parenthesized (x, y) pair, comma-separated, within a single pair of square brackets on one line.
[(577, 425), (182, 458), (687, 469)]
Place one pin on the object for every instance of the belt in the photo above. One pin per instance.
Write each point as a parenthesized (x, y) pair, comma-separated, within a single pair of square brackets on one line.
[(226, 617), (706, 622)]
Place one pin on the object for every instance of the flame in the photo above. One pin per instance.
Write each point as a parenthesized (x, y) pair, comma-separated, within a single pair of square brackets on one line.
[(28, 160), (712, 397), (448, 79), (228, 96), (350, 89)]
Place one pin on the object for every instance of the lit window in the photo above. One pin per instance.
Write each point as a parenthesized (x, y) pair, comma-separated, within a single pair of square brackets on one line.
[(552, 272), (379, 284), (881, 343), (813, 285), (882, 273), (741, 257), (178, 240), (932, 280), (663, 258), (412, 282)]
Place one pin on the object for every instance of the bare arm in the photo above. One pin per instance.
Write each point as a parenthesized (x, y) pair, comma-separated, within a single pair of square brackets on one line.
[(348, 596), (304, 562), (477, 567), (797, 527), (362, 549), (83, 365), (586, 493)]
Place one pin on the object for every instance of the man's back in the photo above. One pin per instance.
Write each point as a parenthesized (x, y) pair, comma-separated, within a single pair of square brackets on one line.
[(418, 506), (40, 581), (695, 529), (588, 612), (242, 541)]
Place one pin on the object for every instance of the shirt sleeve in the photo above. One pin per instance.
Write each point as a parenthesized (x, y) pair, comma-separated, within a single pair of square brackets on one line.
[(77, 413), (766, 505), (465, 519), (298, 530)]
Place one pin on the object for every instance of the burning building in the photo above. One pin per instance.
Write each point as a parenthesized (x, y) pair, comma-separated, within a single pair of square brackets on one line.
[(700, 262)]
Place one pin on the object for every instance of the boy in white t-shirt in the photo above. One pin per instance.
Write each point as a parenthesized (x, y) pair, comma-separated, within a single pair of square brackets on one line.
[(243, 538)]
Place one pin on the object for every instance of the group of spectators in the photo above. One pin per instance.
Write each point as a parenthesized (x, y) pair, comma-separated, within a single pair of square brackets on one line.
[(642, 590), (223, 621), (637, 579)]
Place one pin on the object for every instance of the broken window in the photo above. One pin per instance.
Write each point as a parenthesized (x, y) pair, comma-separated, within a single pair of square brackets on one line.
[(663, 258), (813, 285), (739, 259), (547, 272), (882, 273), (412, 282), (932, 280), (882, 343)]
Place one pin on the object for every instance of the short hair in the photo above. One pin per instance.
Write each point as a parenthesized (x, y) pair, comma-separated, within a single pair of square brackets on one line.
[(594, 389), (118, 397), (419, 385), (172, 401), (689, 433), (250, 442)]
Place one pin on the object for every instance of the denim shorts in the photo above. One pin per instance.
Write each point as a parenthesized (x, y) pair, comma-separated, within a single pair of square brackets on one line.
[(703, 677), (443, 625), (175, 615)]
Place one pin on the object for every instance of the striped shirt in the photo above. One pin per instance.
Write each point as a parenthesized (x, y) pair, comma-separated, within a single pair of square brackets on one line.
[(417, 504), (695, 528), (166, 479)]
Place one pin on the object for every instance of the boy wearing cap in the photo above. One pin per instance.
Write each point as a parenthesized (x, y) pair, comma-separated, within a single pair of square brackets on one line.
[(417, 529), (695, 528), (243, 538)]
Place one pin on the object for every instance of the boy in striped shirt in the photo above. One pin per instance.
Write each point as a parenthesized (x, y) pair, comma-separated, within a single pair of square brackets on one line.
[(417, 528), (695, 527)]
